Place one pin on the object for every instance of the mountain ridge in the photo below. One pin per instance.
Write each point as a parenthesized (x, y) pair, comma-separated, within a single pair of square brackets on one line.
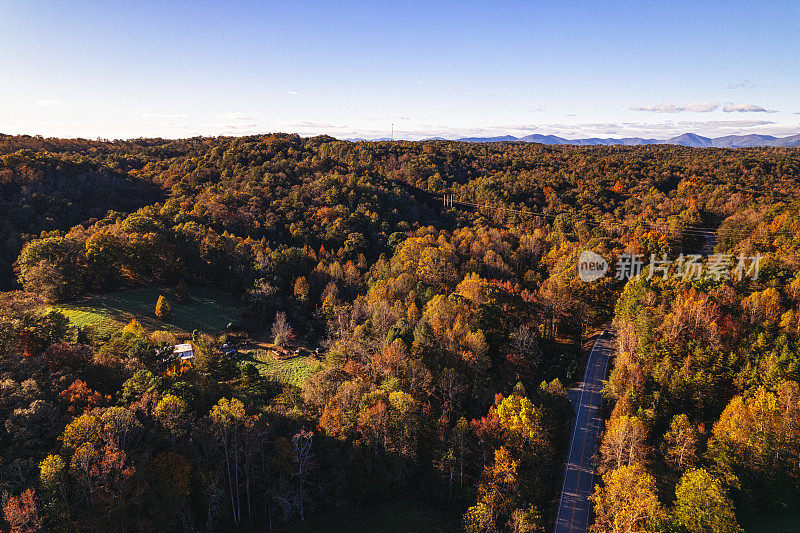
[(687, 139)]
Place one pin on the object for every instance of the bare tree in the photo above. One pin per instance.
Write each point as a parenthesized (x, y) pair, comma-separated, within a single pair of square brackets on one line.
[(526, 343), (303, 459), (624, 443), (281, 329)]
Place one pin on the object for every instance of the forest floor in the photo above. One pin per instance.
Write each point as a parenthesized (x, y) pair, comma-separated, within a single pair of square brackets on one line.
[(395, 516), (785, 523), (208, 310)]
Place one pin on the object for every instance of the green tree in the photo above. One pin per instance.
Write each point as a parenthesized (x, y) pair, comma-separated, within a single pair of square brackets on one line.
[(142, 382), (702, 504)]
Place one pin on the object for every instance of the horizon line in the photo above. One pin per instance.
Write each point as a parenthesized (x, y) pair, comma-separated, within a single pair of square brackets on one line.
[(356, 138)]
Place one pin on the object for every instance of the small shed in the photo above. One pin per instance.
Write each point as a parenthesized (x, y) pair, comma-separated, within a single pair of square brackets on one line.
[(183, 351)]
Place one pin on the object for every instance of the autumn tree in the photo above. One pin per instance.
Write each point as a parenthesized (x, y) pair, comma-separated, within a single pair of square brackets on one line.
[(22, 514), (83, 429), (764, 306), (171, 474), (163, 308), (497, 495), (52, 475), (303, 461), (702, 504), (521, 422), (227, 418), (623, 443), (301, 289), (121, 426), (172, 413), (680, 443), (627, 502), (79, 397), (757, 438)]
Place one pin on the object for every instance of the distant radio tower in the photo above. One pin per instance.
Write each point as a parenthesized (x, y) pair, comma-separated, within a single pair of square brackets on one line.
[(392, 130)]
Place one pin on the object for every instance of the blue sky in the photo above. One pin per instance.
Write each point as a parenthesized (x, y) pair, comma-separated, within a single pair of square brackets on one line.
[(352, 69)]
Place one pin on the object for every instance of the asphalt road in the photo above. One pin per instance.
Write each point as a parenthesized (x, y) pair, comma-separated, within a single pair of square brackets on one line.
[(574, 508), (709, 241)]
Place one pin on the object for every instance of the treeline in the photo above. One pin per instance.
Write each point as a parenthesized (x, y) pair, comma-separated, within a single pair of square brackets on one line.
[(449, 334), (41, 193)]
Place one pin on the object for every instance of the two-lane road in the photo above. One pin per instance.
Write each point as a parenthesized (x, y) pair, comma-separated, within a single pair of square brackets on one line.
[(574, 507)]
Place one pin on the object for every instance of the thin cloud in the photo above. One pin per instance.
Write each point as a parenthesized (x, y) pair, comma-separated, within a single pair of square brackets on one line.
[(702, 107), (728, 123), (238, 115), (168, 116), (49, 102), (747, 84), (669, 107), (746, 108), (238, 127), (292, 93), (386, 117), (310, 124)]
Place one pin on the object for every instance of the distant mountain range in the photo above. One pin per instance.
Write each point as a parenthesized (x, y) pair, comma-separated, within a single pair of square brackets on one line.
[(687, 139)]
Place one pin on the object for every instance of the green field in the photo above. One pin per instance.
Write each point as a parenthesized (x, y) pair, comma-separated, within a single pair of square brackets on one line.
[(208, 310), (293, 371)]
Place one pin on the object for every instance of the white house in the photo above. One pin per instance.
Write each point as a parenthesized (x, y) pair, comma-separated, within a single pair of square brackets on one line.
[(183, 351)]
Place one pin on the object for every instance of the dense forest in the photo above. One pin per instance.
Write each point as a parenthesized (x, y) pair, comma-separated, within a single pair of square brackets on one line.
[(447, 335)]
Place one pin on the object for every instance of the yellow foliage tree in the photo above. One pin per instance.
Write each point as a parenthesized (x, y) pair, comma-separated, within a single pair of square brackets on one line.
[(627, 502), (85, 428), (50, 469), (521, 421), (702, 504), (135, 327), (163, 308)]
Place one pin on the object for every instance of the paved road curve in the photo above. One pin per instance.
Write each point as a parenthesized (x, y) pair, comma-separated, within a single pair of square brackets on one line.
[(574, 506)]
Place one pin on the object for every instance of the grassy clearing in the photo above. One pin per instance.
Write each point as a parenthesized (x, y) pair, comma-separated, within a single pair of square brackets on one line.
[(209, 310), (293, 371), (101, 320)]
